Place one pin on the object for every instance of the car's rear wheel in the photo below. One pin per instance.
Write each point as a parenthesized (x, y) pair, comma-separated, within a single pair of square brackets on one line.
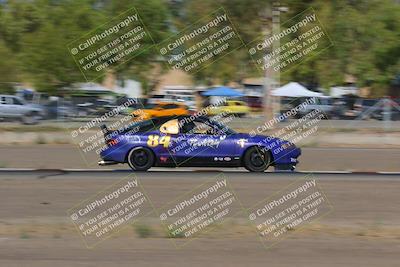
[(256, 159), (140, 159)]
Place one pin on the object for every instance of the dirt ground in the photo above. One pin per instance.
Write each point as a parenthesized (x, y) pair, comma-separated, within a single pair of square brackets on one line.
[(362, 229)]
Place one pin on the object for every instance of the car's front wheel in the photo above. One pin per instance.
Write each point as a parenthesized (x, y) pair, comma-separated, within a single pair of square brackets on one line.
[(140, 159), (256, 159)]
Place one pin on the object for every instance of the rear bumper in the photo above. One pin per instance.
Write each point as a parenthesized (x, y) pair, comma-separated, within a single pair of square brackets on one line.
[(115, 153)]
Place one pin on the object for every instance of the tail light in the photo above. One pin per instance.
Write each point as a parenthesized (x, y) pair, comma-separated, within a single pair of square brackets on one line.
[(112, 142)]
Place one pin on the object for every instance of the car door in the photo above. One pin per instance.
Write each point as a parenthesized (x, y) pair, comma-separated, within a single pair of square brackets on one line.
[(201, 144), (165, 142), (17, 107), (8, 107), (3, 107)]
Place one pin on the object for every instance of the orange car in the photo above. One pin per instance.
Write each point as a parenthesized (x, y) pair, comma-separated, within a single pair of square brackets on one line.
[(160, 110)]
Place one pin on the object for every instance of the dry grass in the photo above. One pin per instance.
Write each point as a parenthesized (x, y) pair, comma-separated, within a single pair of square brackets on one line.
[(230, 229)]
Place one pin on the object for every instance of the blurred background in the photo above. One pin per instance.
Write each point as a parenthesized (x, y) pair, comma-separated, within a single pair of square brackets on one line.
[(354, 155)]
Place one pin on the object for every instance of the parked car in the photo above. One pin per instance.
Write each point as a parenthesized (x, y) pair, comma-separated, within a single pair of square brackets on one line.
[(160, 110), (228, 107), (57, 109), (375, 109), (359, 108), (188, 100), (254, 102), (325, 105), (96, 108), (15, 108), (395, 110), (345, 107), (369, 109)]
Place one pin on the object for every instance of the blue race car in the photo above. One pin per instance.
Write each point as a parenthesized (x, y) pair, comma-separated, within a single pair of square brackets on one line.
[(191, 141)]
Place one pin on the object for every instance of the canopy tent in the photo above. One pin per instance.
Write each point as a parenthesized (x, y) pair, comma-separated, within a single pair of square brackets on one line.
[(223, 91), (294, 89)]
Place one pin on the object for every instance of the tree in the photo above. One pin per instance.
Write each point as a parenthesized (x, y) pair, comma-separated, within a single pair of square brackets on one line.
[(246, 17), (365, 38), (38, 32), (8, 70), (146, 66)]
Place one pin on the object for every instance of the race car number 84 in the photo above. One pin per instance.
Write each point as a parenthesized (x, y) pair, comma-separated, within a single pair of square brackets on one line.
[(155, 140)]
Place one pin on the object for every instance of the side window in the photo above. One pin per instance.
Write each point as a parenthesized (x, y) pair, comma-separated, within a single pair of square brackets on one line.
[(170, 106), (16, 101), (8, 101), (170, 127), (186, 127), (2, 100), (159, 107), (202, 128)]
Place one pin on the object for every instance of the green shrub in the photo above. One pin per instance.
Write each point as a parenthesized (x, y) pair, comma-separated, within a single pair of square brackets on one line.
[(143, 231)]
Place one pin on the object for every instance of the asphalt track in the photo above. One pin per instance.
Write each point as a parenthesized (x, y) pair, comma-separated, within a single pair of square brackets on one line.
[(312, 159), (361, 230)]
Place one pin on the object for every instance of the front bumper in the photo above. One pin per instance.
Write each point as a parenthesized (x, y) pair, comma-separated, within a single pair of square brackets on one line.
[(285, 167), (106, 162), (289, 161)]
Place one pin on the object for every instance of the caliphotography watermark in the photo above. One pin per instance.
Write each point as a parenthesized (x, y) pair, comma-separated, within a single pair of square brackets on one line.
[(114, 126), (106, 213), (301, 37), (202, 43), (199, 210), (294, 127), (289, 210), (121, 39)]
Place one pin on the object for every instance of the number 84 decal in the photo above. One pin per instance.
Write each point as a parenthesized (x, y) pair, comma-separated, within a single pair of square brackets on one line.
[(155, 140)]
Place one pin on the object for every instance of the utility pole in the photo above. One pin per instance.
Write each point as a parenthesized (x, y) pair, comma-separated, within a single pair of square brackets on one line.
[(272, 78)]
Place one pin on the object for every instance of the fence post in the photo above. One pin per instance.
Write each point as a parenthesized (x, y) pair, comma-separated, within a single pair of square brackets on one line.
[(387, 110)]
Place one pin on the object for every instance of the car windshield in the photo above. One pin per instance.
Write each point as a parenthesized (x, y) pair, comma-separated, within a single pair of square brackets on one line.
[(150, 106)]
